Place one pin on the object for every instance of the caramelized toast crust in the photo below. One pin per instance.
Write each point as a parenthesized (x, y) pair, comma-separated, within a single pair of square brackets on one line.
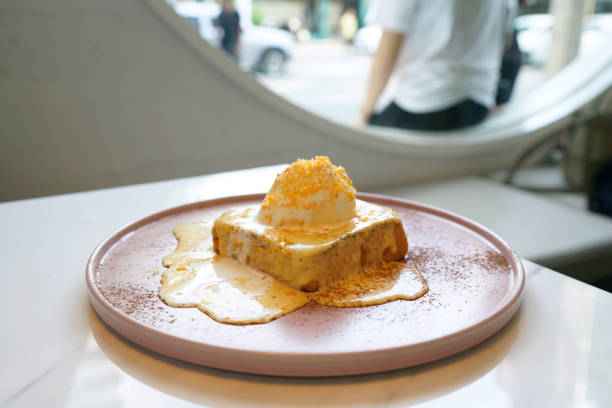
[(309, 258)]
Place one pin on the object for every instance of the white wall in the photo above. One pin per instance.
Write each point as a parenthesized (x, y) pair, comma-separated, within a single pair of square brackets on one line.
[(99, 93)]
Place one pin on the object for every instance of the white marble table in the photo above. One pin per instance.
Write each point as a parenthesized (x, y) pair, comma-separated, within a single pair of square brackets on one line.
[(56, 352)]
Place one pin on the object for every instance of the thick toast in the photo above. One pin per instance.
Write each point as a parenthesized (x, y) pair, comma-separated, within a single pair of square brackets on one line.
[(309, 258)]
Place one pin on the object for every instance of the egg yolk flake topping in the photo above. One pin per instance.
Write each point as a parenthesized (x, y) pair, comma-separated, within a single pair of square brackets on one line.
[(309, 192)]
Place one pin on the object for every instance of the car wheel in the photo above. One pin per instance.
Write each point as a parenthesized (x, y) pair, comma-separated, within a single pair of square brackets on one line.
[(272, 61)]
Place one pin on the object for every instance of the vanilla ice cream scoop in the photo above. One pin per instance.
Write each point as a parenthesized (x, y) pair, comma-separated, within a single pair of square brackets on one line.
[(309, 192)]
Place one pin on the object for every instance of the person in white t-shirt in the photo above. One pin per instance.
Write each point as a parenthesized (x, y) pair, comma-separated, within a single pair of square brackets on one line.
[(446, 57)]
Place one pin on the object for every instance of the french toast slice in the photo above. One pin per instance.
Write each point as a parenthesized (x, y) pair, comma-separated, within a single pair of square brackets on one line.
[(308, 258)]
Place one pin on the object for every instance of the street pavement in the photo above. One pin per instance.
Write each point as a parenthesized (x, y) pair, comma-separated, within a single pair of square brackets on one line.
[(326, 77)]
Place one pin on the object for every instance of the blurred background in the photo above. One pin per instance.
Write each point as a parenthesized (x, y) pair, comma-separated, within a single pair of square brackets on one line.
[(97, 94), (316, 53)]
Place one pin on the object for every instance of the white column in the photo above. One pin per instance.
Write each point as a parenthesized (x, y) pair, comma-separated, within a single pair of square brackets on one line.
[(565, 40)]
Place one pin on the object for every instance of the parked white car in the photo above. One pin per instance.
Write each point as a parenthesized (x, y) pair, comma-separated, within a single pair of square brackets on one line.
[(261, 49)]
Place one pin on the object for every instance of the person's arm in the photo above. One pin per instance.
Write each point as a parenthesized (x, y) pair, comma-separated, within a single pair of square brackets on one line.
[(382, 67)]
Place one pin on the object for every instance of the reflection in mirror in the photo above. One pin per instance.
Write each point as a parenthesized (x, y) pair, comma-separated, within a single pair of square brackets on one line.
[(233, 27), (318, 54)]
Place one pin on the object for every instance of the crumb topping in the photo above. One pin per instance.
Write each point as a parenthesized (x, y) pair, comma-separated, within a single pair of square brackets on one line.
[(308, 188)]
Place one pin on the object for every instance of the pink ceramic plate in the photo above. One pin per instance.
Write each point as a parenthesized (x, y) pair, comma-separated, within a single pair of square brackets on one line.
[(475, 286)]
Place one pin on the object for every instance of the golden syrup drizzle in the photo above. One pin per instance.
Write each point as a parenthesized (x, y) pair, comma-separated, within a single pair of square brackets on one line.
[(226, 290), (374, 285), (233, 293), (194, 244)]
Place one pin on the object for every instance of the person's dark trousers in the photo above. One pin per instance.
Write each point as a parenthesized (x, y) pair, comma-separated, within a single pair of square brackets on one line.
[(510, 66), (461, 115)]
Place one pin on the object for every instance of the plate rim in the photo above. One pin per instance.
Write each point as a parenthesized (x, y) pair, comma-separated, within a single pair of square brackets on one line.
[(497, 317)]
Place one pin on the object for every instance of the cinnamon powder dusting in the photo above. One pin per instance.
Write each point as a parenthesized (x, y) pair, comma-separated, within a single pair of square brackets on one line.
[(137, 302)]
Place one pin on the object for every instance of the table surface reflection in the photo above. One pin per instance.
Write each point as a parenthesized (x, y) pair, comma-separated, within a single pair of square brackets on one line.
[(58, 353)]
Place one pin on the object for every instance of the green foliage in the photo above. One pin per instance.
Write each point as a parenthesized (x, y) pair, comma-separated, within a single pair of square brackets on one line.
[(257, 15)]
